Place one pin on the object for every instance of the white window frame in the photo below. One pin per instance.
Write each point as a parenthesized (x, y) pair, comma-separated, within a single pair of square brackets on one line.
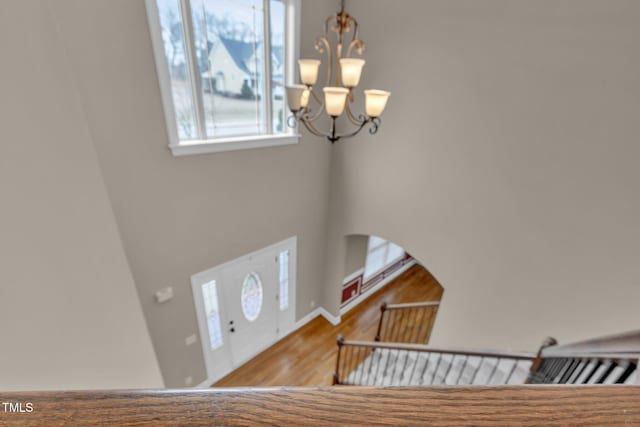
[(214, 145)]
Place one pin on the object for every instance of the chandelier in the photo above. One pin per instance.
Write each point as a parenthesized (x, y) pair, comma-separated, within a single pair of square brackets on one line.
[(337, 99)]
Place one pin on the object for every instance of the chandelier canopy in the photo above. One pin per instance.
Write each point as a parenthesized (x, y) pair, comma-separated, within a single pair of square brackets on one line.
[(337, 99)]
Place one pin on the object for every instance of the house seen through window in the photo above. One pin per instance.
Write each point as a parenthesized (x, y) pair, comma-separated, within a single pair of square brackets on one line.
[(225, 67)]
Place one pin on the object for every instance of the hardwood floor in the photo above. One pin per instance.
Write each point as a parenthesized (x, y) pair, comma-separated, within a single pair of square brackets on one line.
[(307, 357)]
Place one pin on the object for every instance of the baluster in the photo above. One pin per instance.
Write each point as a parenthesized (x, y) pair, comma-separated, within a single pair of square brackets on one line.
[(549, 371), (404, 366), (435, 372), (606, 373), (446, 374), (349, 356), (415, 365), (475, 373), (626, 374), (395, 330), (377, 375), (582, 364), (372, 358), (464, 366), (493, 371), (424, 368), (569, 372), (417, 326), (511, 371), (394, 367)]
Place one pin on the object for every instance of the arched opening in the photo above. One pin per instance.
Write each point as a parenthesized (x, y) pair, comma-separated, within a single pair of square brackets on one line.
[(375, 265)]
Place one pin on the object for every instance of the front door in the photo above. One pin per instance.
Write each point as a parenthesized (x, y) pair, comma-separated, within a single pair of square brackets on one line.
[(252, 307), (245, 305)]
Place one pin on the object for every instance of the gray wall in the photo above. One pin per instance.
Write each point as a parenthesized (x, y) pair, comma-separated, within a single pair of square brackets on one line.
[(356, 253), (507, 163), (69, 312), (180, 216)]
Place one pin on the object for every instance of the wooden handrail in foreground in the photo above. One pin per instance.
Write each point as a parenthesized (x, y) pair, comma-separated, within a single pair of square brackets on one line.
[(438, 406)]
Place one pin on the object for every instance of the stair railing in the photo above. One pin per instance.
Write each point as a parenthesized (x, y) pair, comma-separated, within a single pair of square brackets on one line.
[(399, 364), (607, 360), (406, 323)]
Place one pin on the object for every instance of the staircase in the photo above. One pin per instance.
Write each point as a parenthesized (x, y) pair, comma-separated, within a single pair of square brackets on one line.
[(399, 356)]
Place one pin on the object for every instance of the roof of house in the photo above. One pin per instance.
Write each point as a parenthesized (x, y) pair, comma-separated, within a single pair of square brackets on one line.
[(242, 53)]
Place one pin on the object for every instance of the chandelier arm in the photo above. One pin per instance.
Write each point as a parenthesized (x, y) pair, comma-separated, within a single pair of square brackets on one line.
[(315, 116), (323, 46), (375, 125), (358, 45), (352, 118), (354, 133), (311, 128)]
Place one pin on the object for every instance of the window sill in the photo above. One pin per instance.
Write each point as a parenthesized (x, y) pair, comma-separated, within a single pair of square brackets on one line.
[(189, 148)]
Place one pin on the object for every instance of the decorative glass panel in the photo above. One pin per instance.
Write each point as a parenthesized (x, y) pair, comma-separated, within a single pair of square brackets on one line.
[(174, 48), (283, 259), (251, 297), (212, 313)]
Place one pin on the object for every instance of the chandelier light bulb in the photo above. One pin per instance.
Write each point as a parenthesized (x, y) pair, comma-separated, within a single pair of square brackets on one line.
[(335, 99), (351, 70), (376, 101), (309, 71), (295, 96)]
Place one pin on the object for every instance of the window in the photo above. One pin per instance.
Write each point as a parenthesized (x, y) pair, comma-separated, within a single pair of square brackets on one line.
[(212, 313), (251, 297), (223, 66), (283, 261), (380, 254)]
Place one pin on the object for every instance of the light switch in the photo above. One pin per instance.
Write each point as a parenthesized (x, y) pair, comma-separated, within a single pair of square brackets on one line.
[(164, 295)]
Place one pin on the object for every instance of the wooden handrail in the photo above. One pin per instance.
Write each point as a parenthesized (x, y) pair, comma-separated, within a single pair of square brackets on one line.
[(628, 342), (480, 406), (614, 357), (430, 349), (412, 305), (419, 317)]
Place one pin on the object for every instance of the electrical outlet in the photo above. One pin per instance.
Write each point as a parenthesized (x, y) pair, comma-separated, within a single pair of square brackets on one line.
[(188, 381), (190, 340), (312, 304)]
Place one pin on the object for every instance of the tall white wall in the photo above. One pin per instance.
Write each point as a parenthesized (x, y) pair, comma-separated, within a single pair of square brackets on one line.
[(181, 216), (507, 163), (69, 312)]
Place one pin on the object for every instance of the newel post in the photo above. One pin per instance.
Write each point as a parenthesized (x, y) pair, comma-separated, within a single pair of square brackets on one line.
[(383, 308), (548, 342), (336, 374)]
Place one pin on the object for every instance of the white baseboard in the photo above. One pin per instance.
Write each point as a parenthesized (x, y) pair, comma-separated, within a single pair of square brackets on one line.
[(320, 311), (377, 287), (334, 320)]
